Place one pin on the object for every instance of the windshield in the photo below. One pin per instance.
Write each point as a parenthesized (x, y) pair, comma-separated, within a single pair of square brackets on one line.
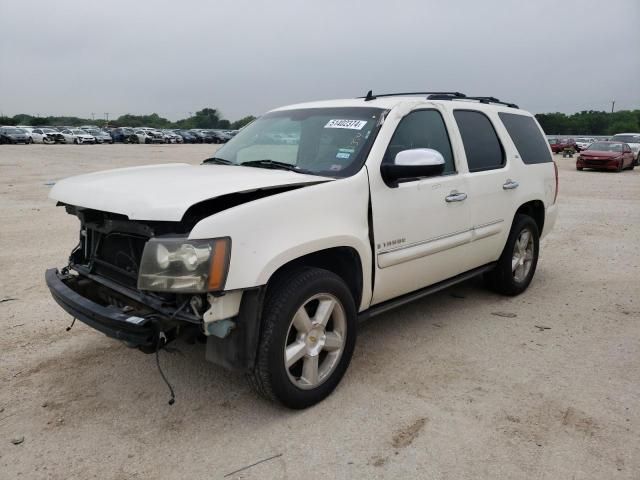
[(627, 138), (553, 141), (78, 132), (605, 147), (49, 130), (321, 141), (13, 131)]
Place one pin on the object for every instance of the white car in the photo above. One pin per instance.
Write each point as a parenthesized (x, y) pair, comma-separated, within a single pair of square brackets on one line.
[(100, 135), (171, 136), (583, 143), (77, 136), (273, 251), (631, 139), (45, 135), (149, 135)]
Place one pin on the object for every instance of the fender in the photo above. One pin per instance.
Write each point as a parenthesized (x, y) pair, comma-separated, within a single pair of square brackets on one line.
[(272, 231)]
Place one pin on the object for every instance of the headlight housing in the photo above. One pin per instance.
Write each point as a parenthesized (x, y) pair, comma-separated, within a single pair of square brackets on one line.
[(181, 265)]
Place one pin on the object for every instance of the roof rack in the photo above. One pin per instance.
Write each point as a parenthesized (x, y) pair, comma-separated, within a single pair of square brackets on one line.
[(370, 96), (440, 96), (479, 99)]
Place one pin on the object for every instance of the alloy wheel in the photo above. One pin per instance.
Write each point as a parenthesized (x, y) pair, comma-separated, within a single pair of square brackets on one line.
[(315, 341), (522, 258)]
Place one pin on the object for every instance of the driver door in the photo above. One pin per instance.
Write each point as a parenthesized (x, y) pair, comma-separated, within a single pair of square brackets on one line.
[(422, 227)]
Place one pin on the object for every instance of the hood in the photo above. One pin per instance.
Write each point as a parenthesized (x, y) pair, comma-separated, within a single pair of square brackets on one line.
[(599, 154), (165, 192)]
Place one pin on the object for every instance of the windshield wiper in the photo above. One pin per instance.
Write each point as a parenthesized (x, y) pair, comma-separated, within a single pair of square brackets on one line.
[(217, 161), (275, 165)]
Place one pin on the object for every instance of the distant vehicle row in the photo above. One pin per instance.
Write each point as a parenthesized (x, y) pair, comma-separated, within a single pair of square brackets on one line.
[(558, 145), (91, 134)]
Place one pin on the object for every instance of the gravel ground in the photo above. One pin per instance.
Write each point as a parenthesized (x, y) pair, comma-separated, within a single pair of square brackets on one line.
[(461, 385)]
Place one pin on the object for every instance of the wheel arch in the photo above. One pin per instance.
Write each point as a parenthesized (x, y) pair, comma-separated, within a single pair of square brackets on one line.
[(344, 261), (534, 209)]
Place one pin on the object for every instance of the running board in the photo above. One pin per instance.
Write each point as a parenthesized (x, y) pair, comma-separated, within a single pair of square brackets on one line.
[(410, 297)]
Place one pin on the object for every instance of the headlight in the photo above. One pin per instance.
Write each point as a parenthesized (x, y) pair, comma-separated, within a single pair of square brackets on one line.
[(182, 265)]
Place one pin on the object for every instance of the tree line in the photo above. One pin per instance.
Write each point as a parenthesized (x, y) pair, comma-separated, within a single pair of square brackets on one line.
[(205, 118), (590, 122)]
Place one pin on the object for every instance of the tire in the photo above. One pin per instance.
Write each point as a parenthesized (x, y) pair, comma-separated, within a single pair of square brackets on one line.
[(620, 166), (304, 290), (632, 166), (30, 141), (76, 141), (507, 279), (579, 168)]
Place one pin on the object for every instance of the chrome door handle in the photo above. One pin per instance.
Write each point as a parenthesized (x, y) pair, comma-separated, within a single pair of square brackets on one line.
[(510, 184), (455, 196)]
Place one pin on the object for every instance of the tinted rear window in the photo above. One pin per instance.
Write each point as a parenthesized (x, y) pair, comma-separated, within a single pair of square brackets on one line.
[(527, 138), (481, 144)]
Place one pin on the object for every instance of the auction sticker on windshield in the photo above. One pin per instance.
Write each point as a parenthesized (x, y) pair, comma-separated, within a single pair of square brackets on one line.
[(350, 124)]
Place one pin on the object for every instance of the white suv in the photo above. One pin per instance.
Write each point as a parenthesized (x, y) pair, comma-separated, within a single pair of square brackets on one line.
[(274, 250)]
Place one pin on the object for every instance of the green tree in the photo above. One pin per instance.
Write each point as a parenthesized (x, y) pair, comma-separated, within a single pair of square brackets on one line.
[(238, 124)]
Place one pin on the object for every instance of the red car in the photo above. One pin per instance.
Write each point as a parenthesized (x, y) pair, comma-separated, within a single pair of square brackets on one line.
[(606, 156), (559, 144)]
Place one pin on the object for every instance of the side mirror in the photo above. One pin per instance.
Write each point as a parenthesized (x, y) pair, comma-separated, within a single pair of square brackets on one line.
[(413, 164)]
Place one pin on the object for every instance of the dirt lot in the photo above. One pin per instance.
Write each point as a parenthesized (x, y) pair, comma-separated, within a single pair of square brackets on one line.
[(462, 385)]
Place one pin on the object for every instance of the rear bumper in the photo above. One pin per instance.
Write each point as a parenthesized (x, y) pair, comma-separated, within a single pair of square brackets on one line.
[(550, 218), (136, 331)]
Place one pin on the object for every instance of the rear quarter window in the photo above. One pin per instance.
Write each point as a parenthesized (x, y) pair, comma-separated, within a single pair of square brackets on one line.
[(527, 138)]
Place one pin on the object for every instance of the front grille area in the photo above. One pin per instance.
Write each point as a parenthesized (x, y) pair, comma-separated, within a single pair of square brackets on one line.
[(117, 256)]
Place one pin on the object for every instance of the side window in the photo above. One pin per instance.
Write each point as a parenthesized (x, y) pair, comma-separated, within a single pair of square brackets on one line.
[(422, 129), (526, 137), (481, 144)]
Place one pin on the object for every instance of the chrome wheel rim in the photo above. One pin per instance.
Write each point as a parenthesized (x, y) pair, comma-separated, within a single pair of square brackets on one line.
[(315, 341), (522, 258)]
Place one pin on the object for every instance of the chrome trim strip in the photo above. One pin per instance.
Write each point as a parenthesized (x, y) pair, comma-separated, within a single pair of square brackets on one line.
[(446, 235)]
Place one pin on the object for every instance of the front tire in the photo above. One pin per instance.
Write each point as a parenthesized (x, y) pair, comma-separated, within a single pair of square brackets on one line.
[(517, 264), (309, 334)]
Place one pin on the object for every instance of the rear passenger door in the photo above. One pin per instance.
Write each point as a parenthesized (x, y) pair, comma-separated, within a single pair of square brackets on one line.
[(491, 183)]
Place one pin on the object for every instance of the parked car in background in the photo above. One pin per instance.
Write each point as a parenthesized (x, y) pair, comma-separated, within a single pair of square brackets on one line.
[(616, 156), (187, 136), (46, 135), (560, 144), (583, 142), (206, 135), (13, 135), (148, 135), (171, 137), (100, 135), (123, 135), (77, 136), (631, 139)]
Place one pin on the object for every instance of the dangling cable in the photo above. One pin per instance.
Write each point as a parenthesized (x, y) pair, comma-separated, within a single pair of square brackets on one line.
[(162, 338), (160, 343)]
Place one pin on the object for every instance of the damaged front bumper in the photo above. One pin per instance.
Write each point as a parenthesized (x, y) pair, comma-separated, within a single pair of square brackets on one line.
[(140, 320), (132, 329)]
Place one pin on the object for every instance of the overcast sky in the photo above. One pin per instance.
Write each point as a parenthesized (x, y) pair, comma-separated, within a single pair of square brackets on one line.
[(246, 57)]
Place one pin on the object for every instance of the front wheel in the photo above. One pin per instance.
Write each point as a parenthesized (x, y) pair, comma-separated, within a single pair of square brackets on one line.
[(517, 264), (309, 334)]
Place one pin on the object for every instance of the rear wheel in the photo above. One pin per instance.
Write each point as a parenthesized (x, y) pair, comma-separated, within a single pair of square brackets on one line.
[(517, 264), (309, 333)]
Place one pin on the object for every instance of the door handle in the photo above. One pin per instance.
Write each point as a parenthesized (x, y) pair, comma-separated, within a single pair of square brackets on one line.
[(510, 184), (455, 196)]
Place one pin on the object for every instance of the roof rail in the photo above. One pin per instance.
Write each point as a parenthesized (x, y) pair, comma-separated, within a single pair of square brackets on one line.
[(479, 99), (370, 96)]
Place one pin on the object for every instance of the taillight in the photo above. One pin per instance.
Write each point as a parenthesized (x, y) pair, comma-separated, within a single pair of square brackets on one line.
[(555, 170)]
